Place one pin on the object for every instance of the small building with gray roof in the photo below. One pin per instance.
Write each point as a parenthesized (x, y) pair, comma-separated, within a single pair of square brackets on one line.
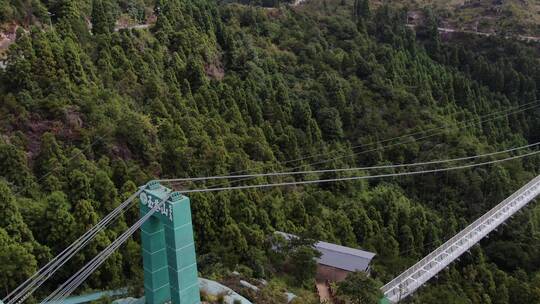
[(337, 261)]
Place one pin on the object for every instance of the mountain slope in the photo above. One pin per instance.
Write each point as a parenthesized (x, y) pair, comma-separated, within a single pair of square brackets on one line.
[(508, 17), (88, 115)]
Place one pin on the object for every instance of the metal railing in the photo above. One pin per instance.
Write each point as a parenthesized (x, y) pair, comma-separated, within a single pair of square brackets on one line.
[(414, 277)]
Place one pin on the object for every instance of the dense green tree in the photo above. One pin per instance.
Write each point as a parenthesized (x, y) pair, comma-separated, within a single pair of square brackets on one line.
[(79, 186), (58, 223), (16, 169), (102, 18), (330, 122), (16, 262), (303, 264), (50, 158), (343, 229), (358, 288), (104, 192), (430, 33), (361, 9), (11, 219)]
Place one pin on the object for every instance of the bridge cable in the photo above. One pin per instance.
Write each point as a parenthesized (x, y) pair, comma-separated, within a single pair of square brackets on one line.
[(64, 290), (400, 165), (390, 145), (23, 291), (406, 173), (71, 284), (304, 172), (393, 166), (507, 113)]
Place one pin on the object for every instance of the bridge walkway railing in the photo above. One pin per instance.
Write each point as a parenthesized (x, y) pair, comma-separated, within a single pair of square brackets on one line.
[(417, 275)]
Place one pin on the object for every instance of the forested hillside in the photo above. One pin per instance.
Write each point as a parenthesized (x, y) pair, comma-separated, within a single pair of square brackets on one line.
[(508, 17), (87, 115)]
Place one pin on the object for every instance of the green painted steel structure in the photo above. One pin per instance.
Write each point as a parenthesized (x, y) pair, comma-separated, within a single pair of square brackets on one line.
[(384, 301), (169, 260)]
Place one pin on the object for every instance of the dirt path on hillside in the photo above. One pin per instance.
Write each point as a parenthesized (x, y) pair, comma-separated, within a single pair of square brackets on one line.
[(452, 30), (324, 293), (8, 37), (137, 26), (298, 2)]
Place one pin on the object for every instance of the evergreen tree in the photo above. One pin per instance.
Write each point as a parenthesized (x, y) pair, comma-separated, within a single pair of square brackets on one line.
[(303, 263), (17, 171), (11, 219), (50, 158), (79, 186), (358, 288), (58, 223), (105, 192), (102, 18), (16, 262), (361, 9)]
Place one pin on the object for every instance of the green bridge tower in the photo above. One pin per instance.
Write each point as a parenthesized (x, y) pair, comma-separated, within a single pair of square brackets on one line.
[(169, 260)]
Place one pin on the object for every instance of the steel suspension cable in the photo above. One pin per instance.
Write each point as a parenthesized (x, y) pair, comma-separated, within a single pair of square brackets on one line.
[(387, 146), (67, 288), (507, 112), (407, 173), (393, 166), (23, 291), (444, 126), (414, 139), (351, 169), (74, 281)]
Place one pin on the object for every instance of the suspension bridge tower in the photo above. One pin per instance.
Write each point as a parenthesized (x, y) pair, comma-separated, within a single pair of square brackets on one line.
[(169, 260)]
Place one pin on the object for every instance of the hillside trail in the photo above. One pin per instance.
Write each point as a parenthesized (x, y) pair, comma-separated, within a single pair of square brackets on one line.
[(484, 34), (520, 37), (324, 292)]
